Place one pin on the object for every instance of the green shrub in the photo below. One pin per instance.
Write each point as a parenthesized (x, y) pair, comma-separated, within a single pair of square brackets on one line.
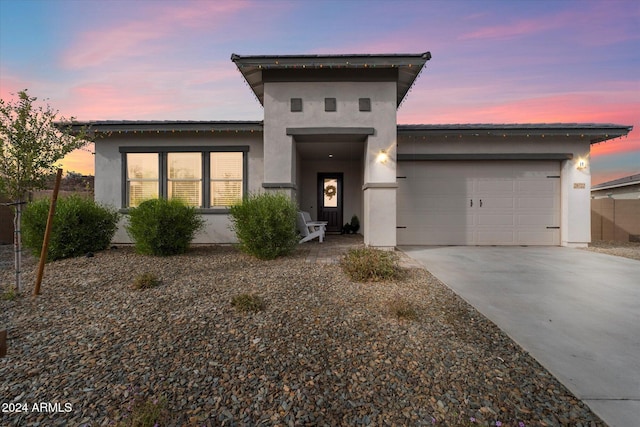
[(145, 281), (265, 225), (248, 302), (9, 295), (146, 412), (79, 226), (163, 227), (402, 309), (367, 264)]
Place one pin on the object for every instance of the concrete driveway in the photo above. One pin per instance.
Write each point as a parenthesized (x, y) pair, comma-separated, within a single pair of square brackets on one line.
[(576, 312)]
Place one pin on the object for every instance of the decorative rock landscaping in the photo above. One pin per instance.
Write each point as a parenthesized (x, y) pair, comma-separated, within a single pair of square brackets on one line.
[(323, 351)]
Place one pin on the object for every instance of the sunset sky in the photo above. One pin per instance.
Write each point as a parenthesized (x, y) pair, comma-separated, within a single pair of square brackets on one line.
[(536, 61)]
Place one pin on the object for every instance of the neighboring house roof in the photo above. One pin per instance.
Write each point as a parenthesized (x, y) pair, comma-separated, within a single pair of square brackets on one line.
[(596, 132), (403, 68), (617, 183)]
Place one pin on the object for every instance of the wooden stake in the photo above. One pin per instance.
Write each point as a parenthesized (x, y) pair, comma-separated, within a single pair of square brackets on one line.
[(3, 343), (47, 233)]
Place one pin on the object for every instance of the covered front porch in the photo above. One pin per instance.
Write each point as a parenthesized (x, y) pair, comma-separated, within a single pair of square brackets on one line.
[(329, 178)]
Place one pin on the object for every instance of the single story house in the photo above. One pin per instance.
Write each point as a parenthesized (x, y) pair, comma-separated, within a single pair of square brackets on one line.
[(627, 187), (331, 141)]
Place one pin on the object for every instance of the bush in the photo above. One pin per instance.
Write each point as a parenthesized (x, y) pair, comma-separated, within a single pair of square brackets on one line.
[(248, 302), (145, 281), (367, 264), (265, 225), (163, 227), (79, 226), (402, 309)]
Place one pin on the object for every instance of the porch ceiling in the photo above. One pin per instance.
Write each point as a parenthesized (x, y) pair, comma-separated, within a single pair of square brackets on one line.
[(330, 150)]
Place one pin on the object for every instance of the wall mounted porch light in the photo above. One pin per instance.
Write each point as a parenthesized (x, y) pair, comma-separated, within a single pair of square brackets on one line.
[(582, 164), (382, 157)]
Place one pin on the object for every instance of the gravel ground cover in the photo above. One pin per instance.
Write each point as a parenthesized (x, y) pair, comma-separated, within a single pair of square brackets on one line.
[(623, 249), (324, 351)]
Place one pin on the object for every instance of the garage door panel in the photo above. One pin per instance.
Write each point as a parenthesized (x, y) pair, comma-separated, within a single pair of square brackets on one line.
[(536, 220), (433, 204), (495, 220), (437, 236), (493, 237), (542, 185), (434, 219), (520, 200), (545, 237), (490, 203), (495, 186), (537, 203)]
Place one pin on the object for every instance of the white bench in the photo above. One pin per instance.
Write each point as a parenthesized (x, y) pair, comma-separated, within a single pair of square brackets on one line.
[(309, 229)]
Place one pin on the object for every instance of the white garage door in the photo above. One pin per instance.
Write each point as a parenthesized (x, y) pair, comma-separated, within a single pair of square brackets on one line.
[(478, 203)]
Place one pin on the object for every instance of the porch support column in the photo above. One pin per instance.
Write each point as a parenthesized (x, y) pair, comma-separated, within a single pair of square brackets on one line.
[(380, 187), (279, 162), (380, 215), (575, 193)]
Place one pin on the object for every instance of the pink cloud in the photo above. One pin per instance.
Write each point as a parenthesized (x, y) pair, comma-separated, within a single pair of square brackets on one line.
[(619, 107), (140, 92), (143, 36), (510, 30), (593, 24)]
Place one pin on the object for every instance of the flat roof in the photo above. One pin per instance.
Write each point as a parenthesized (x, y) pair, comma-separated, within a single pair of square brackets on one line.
[(596, 132), (105, 126), (406, 67), (620, 182)]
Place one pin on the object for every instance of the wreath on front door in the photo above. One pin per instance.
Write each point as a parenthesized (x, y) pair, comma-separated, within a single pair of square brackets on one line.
[(330, 191)]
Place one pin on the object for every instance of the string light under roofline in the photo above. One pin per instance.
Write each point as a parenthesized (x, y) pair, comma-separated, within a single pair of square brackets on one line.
[(164, 131)]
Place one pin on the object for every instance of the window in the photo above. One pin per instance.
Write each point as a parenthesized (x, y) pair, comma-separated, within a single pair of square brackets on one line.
[(142, 177), (184, 179), (330, 187), (204, 177), (364, 104), (226, 179), (296, 105), (330, 104)]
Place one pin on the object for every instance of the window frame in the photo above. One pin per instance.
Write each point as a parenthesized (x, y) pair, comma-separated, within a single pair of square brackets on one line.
[(127, 180), (205, 153)]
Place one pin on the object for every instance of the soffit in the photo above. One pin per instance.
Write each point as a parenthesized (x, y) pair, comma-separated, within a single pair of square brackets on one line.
[(406, 66)]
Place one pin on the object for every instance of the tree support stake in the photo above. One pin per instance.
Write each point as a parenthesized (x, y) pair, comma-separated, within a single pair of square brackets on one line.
[(47, 233)]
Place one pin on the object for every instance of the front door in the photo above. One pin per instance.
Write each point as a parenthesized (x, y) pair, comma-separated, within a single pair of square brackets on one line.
[(330, 200)]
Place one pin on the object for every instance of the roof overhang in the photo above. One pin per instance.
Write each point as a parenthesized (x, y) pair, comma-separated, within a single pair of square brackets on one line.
[(617, 183), (593, 131), (402, 68), (161, 126)]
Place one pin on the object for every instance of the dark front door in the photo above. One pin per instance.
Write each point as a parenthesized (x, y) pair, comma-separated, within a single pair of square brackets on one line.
[(330, 200)]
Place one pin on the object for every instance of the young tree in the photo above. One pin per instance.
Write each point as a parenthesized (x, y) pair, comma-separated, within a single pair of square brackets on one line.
[(32, 140)]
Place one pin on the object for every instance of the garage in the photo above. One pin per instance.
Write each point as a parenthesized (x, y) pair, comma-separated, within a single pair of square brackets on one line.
[(488, 202)]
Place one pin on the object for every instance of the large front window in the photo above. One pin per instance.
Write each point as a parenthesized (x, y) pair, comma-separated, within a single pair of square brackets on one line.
[(212, 178)]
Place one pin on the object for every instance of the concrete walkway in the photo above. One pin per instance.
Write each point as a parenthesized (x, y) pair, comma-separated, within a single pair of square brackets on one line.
[(576, 312)]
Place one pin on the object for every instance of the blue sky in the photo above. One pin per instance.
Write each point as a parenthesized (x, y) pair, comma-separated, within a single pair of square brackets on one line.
[(537, 61)]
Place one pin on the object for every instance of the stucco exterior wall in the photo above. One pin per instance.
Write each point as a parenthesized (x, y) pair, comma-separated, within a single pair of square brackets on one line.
[(108, 170), (279, 148)]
